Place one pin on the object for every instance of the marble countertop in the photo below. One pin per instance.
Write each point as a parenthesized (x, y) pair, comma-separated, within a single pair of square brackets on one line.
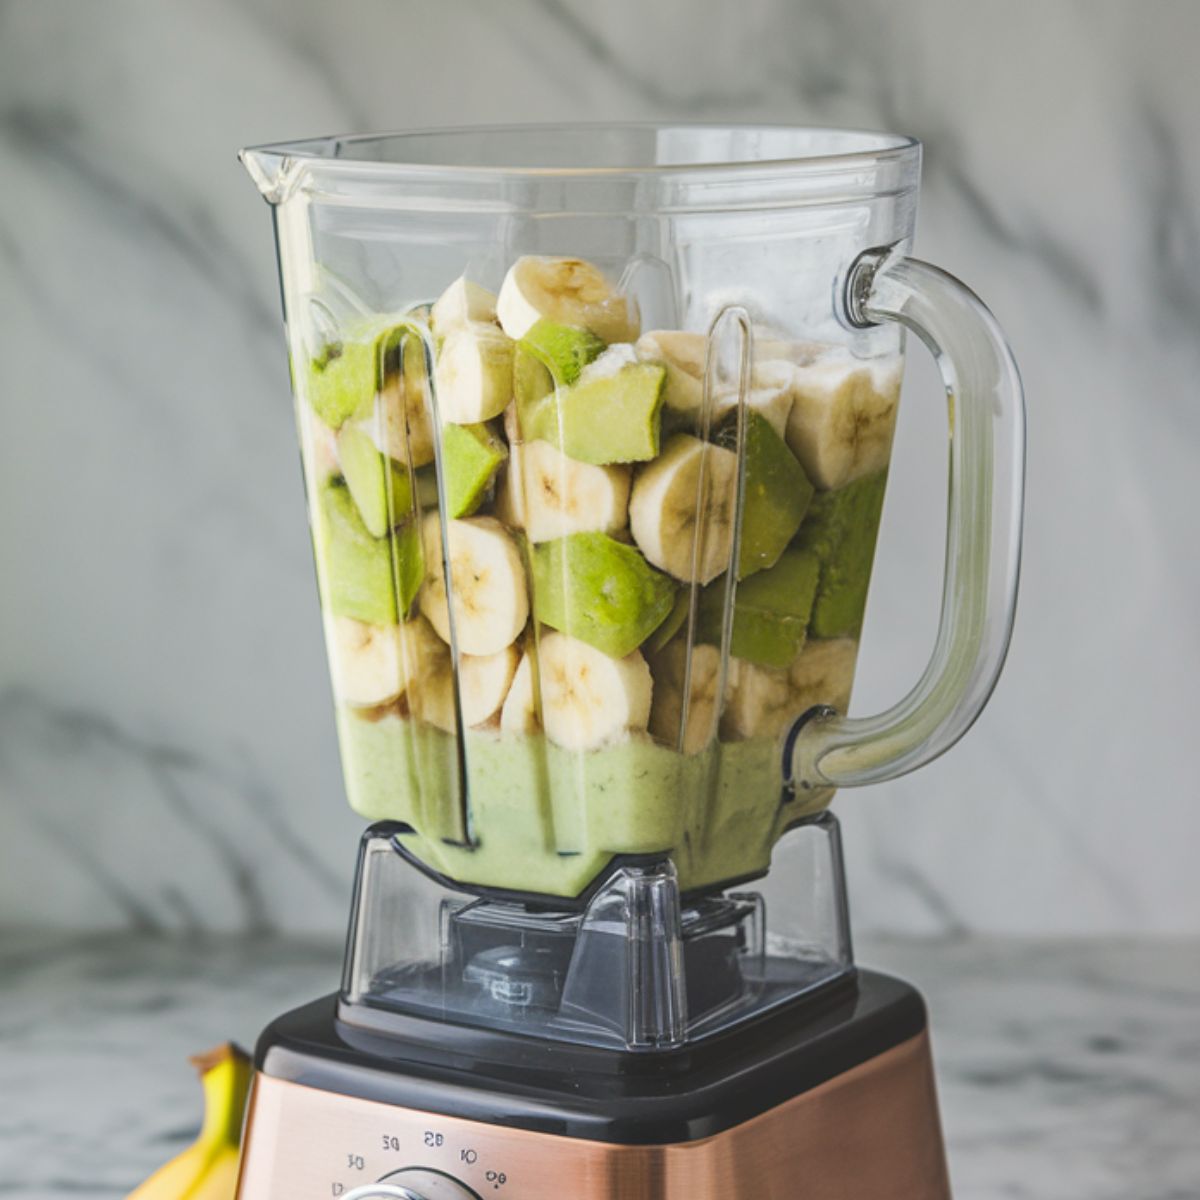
[(1067, 1069)]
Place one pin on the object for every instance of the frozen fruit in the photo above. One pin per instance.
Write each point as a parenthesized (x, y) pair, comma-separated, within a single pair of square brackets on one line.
[(843, 417), (675, 621), (474, 374), (380, 487), (824, 673), (683, 356), (471, 456), (563, 349), (839, 530), (588, 697), (758, 702), (776, 496), (361, 576), (364, 661), (562, 496), (483, 682), (675, 673), (603, 419), (681, 508), (462, 304), (342, 379), (488, 594), (600, 591), (770, 613), (567, 291)]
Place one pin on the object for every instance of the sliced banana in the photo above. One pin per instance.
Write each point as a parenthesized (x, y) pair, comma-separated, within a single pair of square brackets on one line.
[(823, 673), (461, 304), (588, 698), (667, 513), (562, 496), (683, 354), (568, 291), (487, 580), (483, 683), (774, 403), (759, 702), (318, 443), (666, 715), (843, 418), (474, 374), (519, 713), (401, 425), (365, 662)]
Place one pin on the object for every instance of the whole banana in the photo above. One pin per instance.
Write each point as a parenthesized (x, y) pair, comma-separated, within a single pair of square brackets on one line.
[(208, 1168)]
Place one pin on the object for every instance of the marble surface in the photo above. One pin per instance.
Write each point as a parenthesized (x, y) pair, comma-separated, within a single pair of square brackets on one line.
[(1068, 1070), (166, 743)]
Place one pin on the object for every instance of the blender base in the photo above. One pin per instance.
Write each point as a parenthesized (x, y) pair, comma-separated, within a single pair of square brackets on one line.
[(831, 1098)]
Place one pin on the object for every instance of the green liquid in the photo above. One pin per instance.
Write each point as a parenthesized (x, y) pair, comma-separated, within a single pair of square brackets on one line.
[(548, 820)]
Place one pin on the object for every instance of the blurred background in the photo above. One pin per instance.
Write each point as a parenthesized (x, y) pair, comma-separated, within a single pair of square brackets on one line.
[(167, 753)]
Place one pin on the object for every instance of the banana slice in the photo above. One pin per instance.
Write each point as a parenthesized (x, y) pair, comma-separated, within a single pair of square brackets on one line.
[(474, 374), (774, 403), (824, 674), (491, 600), (588, 698), (683, 355), (759, 701), (562, 496), (461, 304), (666, 714), (401, 425), (365, 661), (519, 713), (483, 683), (318, 444), (665, 503), (568, 291), (843, 418)]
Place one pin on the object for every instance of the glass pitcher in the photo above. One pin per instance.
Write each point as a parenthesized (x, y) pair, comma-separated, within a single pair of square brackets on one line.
[(596, 424)]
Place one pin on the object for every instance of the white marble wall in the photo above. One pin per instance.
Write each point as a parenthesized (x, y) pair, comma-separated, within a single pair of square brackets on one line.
[(167, 756)]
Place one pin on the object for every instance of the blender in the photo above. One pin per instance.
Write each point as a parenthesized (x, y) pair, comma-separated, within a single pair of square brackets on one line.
[(595, 425)]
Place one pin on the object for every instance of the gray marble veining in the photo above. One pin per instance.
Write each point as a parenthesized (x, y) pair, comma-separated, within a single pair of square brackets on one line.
[(166, 743), (1067, 1070)]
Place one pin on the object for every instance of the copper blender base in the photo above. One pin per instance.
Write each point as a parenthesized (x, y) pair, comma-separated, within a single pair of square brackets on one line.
[(871, 1133)]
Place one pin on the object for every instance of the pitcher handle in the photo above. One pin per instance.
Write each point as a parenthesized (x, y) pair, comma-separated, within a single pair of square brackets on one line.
[(983, 537)]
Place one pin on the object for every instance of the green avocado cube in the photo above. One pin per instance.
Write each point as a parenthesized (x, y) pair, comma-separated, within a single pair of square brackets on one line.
[(608, 419), (563, 349), (771, 610), (777, 493), (840, 530), (370, 579), (599, 590), (471, 456), (379, 485)]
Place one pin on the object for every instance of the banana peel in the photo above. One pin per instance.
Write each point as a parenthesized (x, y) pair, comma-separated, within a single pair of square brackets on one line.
[(208, 1169)]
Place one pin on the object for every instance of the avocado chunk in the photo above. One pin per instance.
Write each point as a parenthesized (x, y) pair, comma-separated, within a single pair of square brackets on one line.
[(563, 349), (599, 590), (777, 493), (362, 576), (606, 419), (840, 530), (379, 486), (674, 622), (771, 610), (471, 456)]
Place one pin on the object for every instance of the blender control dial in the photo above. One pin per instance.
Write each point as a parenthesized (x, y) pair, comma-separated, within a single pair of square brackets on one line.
[(413, 1184)]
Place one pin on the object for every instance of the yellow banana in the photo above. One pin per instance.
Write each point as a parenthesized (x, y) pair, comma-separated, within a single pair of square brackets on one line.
[(207, 1169)]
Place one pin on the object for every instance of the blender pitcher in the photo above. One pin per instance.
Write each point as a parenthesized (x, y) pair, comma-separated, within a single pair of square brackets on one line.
[(596, 425)]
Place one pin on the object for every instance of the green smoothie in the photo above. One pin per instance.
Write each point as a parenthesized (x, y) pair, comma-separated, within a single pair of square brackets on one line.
[(545, 819)]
